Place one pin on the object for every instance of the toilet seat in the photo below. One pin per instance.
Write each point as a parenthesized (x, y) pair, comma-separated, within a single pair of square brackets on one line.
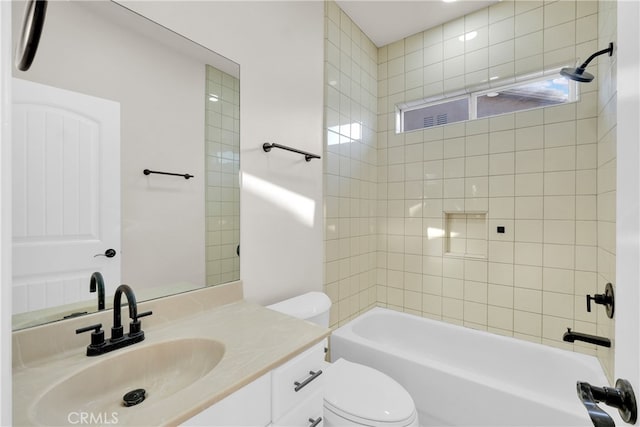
[(365, 396)]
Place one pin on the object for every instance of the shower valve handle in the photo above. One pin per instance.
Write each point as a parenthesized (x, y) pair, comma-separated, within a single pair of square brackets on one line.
[(597, 298), (606, 299)]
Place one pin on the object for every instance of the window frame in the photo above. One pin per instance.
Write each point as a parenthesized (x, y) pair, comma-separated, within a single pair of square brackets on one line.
[(472, 97), (431, 103), (573, 94)]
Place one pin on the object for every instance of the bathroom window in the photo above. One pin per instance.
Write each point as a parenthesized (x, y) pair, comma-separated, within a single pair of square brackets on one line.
[(524, 96), (528, 94), (436, 114)]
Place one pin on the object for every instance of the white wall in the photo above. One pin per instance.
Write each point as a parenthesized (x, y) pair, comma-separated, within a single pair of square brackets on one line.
[(5, 216), (279, 46)]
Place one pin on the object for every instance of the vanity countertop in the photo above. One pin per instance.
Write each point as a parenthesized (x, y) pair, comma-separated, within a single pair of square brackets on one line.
[(255, 339)]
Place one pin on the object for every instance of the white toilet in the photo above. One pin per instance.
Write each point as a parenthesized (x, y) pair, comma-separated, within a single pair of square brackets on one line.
[(355, 395)]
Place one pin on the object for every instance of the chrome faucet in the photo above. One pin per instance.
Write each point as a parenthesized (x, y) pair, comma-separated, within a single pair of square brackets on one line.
[(98, 281), (118, 339)]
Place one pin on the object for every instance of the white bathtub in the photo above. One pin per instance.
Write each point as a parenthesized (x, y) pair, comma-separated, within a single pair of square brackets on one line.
[(462, 377)]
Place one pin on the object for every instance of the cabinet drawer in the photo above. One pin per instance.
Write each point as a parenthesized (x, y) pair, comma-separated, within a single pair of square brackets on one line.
[(297, 380), (306, 414)]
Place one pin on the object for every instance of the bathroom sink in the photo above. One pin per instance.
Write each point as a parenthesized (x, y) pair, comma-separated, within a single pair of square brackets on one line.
[(161, 369)]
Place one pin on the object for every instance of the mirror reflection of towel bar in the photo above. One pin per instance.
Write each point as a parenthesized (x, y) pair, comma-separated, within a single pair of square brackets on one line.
[(184, 175)]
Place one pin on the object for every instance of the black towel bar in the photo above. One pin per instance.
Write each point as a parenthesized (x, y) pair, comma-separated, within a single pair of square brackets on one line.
[(307, 156), (184, 175)]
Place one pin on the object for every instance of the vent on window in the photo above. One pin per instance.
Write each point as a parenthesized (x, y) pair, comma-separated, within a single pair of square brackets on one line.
[(437, 114), (428, 121)]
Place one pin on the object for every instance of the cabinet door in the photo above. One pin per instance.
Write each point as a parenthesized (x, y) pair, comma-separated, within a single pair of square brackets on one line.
[(248, 407), (296, 380)]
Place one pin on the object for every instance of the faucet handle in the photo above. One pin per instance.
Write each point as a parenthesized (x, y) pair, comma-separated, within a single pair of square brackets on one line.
[(146, 313), (135, 327), (97, 336)]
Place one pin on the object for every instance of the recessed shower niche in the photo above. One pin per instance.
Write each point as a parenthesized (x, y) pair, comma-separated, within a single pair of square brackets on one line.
[(465, 234)]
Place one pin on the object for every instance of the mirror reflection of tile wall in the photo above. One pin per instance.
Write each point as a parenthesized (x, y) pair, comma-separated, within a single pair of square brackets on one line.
[(222, 156)]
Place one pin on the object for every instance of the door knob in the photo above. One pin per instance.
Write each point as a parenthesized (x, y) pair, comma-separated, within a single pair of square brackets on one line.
[(109, 253)]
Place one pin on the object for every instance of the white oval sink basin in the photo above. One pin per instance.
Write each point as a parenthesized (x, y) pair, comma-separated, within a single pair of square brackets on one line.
[(161, 369)]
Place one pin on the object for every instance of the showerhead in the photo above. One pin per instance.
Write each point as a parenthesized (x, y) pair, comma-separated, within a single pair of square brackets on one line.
[(579, 74)]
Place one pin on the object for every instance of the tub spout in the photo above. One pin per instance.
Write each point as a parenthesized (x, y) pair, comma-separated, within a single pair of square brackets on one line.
[(621, 397), (571, 336)]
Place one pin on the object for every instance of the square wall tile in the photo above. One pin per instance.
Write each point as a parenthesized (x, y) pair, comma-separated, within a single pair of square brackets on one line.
[(527, 323), (529, 22), (529, 45), (526, 276), (527, 300), (558, 12), (501, 164), (501, 31)]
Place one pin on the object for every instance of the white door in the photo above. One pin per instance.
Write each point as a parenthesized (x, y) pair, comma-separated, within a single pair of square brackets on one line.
[(66, 195)]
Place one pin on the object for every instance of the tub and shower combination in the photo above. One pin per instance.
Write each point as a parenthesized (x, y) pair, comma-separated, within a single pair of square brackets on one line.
[(462, 377)]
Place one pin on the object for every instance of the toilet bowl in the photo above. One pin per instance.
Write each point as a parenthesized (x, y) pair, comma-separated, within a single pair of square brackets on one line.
[(354, 394), (357, 395)]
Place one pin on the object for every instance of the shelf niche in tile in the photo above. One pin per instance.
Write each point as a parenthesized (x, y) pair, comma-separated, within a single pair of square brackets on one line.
[(466, 234)]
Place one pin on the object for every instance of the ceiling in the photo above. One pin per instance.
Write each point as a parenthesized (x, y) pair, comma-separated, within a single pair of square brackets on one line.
[(387, 21)]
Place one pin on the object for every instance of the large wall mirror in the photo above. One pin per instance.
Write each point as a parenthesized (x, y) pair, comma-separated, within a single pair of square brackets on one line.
[(109, 95)]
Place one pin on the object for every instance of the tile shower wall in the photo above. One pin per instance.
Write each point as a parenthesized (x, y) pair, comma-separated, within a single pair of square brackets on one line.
[(533, 172), (222, 121), (349, 163), (606, 193)]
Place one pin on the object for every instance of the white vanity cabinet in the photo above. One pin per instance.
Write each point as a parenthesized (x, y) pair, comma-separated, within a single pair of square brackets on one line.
[(297, 390), (291, 395)]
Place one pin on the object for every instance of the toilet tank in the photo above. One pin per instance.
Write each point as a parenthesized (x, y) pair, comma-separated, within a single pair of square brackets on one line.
[(312, 306)]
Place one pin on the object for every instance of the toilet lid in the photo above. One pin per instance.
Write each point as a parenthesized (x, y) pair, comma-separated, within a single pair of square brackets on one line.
[(360, 393)]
